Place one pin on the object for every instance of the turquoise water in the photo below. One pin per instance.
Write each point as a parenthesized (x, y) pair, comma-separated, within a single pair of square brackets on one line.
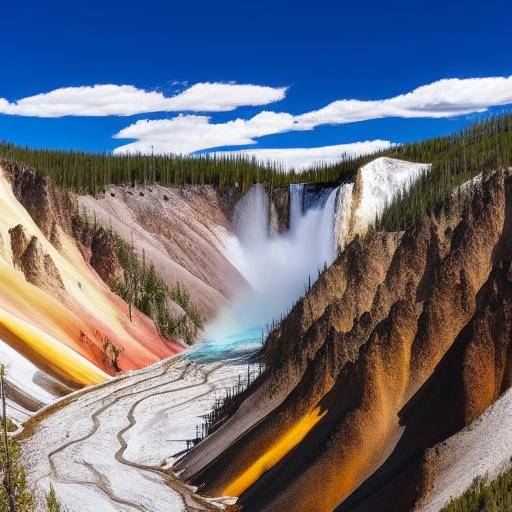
[(236, 346)]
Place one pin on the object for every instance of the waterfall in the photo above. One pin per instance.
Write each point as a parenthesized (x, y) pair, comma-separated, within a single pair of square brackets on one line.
[(322, 219), (250, 218), (315, 197), (296, 204), (278, 266), (306, 199), (327, 233)]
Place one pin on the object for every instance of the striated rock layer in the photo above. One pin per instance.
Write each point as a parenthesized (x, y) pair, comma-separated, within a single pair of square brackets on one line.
[(400, 344), (60, 325)]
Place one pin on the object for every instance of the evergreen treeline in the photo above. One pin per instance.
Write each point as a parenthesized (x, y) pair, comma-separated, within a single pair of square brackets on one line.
[(91, 172), (485, 496), (484, 146)]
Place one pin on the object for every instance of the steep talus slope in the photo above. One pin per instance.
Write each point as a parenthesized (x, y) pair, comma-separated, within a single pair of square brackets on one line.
[(483, 449), (181, 231), (58, 319), (400, 344)]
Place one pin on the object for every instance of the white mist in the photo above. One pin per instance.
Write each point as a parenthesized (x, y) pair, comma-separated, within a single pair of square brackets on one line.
[(277, 266)]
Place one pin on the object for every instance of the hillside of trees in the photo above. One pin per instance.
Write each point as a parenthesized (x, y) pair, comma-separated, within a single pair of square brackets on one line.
[(90, 173), (485, 145), (485, 496)]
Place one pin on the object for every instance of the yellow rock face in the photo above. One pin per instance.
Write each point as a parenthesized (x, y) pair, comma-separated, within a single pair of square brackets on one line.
[(70, 365), (270, 458)]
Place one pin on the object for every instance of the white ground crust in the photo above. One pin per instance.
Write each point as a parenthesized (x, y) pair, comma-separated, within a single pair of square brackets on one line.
[(382, 180), (22, 374), (483, 448), (109, 449)]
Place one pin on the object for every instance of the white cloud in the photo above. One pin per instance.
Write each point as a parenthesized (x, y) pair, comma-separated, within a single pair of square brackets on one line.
[(219, 97), (126, 100), (186, 134), (301, 159), (444, 98)]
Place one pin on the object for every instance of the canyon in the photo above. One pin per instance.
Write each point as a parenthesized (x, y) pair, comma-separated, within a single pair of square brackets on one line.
[(61, 326), (349, 366)]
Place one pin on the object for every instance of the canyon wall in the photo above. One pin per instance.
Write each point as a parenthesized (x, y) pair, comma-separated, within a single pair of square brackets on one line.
[(401, 343), (182, 231)]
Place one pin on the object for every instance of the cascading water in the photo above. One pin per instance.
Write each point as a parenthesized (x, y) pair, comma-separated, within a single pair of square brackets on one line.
[(296, 203), (250, 218), (321, 220), (277, 266), (327, 234)]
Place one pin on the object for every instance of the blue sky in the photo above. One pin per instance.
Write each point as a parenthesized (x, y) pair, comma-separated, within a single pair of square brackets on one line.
[(321, 51)]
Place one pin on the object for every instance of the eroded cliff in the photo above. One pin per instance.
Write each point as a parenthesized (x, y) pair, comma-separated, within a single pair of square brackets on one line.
[(401, 343)]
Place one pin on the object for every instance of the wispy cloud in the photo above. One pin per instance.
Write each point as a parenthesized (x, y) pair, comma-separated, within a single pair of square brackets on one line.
[(301, 159), (126, 100), (444, 98)]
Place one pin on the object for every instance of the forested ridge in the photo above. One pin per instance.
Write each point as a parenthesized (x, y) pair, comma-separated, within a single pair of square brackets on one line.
[(91, 172), (483, 146)]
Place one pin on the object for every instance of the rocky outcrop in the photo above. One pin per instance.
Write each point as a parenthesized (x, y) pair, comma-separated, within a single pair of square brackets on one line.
[(38, 266), (376, 185), (104, 258), (401, 343), (99, 249), (51, 208)]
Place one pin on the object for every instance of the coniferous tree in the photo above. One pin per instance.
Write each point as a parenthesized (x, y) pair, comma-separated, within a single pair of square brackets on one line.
[(13, 494)]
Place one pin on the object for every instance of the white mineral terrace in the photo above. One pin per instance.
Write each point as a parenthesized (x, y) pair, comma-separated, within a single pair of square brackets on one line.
[(110, 447)]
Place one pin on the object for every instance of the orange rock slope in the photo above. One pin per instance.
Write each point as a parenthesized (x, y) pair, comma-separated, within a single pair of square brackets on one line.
[(54, 308), (401, 343)]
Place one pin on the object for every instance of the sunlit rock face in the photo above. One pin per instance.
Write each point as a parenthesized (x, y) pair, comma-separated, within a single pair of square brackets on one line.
[(401, 343), (57, 316), (377, 184)]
